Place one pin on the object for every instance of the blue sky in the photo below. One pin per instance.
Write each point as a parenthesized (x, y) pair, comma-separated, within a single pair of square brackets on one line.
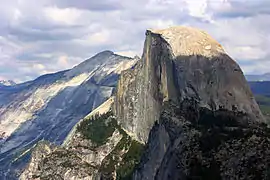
[(45, 36)]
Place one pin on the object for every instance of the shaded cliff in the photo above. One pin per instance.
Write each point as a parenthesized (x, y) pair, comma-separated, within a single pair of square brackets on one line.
[(180, 63), (192, 142)]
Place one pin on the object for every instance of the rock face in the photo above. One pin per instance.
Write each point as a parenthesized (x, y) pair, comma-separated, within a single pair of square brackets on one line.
[(48, 107), (191, 142), (38, 169), (180, 63), (88, 153), (208, 124)]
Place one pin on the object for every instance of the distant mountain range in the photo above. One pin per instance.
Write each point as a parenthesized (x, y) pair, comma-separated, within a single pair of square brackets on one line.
[(261, 88), (7, 83), (262, 77)]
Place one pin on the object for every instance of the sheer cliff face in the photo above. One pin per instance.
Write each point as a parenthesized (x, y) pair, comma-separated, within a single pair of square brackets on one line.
[(180, 63)]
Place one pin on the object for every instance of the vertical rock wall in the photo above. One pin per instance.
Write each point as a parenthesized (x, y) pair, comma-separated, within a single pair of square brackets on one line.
[(180, 63)]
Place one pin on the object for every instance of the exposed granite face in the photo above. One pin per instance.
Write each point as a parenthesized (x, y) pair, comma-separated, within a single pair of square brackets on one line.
[(79, 157), (87, 155), (180, 63), (40, 151), (79, 161), (191, 142), (58, 164)]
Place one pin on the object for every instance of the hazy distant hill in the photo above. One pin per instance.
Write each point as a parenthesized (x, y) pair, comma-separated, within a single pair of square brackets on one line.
[(7, 83), (263, 77)]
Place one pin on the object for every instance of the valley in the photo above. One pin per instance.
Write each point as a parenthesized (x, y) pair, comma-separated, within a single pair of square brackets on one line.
[(261, 91)]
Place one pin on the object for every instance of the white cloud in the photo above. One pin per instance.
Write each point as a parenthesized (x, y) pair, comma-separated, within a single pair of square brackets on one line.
[(257, 67), (99, 37), (53, 35), (248, 52), (68, 16), (38, 66), (197, 8)]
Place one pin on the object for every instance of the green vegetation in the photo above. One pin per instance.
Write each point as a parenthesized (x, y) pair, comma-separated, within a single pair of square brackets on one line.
[(124, 158), (127, 153), (130, 160), (264, 103), (265, 109), (266, 112), (110, 162), (262, 100), (98, 128), (124, 143)]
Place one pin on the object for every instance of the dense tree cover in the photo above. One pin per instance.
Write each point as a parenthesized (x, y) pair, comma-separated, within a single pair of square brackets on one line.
[(98, 128)]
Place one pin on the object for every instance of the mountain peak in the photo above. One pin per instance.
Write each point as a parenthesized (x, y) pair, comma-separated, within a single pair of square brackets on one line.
[(100, 60), (105, 53), (186, 41)]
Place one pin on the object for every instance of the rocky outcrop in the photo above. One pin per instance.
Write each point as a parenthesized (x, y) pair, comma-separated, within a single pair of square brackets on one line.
[(97, 148), (180, 63), (209, 125), (41, 149), (191, 142), (49, 162)]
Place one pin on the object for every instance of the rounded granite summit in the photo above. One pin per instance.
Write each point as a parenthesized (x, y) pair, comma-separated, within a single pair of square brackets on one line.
[(186, 41), (181, 64)]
